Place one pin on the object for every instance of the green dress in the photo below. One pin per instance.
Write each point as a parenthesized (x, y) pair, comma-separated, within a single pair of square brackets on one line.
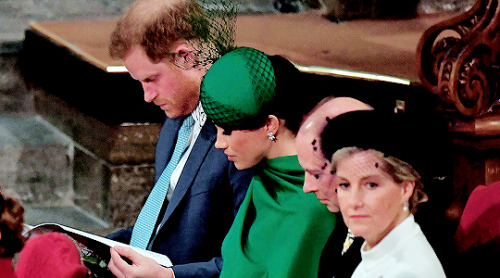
[(279, 231)]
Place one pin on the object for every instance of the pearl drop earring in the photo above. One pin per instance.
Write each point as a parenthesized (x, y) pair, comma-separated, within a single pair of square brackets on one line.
[(405, 206)]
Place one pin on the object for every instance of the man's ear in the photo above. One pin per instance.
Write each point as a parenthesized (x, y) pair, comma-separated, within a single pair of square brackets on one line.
[(184, 57)]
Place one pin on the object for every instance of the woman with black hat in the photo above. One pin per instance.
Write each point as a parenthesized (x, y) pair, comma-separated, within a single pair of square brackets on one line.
[(377, 159)]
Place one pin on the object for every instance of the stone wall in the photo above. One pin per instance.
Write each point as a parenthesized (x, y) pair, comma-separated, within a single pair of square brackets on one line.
[(14, 97), (15, 15), (343, 10), (438, 6)]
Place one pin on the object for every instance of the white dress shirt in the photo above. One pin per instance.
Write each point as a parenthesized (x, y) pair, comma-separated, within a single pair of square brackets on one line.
[(200, 118)]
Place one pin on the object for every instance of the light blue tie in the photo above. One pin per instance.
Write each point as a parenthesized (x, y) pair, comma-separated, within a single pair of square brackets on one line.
[(143, 228)]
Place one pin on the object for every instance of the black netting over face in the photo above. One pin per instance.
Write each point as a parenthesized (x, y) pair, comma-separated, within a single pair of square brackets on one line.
[(215, 24), (238, 89), (223, 115), (402, 136)]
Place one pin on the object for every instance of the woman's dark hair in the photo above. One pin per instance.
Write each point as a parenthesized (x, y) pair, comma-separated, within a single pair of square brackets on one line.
[(293, 100), (11, 226), (245, 86)]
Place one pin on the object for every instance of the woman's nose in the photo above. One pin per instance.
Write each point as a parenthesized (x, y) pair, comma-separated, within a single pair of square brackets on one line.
[(356, 197), (220, 142)]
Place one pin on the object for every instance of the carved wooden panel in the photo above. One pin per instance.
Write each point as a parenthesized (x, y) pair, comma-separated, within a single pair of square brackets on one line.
[(459, 59)]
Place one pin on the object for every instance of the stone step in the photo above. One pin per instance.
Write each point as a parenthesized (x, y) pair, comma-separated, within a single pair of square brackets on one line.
[(35, 161), (70, 216), (36, 166)]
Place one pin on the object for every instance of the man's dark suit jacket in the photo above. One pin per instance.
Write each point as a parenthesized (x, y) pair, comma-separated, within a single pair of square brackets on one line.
[(203, 205), (332, 263)]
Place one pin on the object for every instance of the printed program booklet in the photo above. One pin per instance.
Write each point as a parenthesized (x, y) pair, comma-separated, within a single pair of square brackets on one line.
[(94, 248)]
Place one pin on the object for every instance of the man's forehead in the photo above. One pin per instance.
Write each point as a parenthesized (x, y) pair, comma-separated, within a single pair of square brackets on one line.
[(314, 124), (318, 119), (311, 158)]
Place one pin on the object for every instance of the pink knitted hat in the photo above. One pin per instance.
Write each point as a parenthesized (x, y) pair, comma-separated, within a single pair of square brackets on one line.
[(50, 255), (480, 222)]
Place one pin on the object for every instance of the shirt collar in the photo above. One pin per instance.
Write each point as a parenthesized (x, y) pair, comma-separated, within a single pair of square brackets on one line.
[(199, 115)]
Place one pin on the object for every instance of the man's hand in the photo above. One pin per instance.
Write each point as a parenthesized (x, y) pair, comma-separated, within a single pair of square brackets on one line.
[(141, 266)]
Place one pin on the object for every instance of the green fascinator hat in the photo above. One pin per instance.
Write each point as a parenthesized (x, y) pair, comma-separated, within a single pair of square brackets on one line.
[(238, 89)]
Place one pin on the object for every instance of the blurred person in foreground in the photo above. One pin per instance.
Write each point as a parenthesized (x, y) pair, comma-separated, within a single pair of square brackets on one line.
[(47, 255), (11, 233)]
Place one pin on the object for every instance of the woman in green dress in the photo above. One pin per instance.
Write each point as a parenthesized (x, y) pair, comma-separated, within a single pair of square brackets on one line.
[(257, 103)]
